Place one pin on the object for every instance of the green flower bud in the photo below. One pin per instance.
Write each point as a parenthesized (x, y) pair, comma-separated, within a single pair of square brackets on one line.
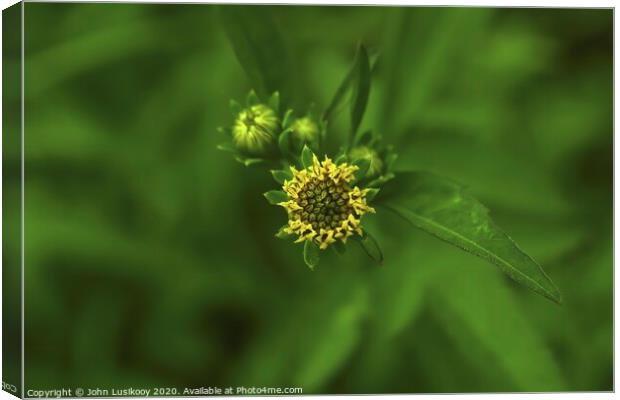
[(305, 129), (255, 129), (367, 153)]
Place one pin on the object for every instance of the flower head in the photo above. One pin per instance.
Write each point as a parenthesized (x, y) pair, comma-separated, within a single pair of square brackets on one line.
[(305, 129), (322, 204), (255, 129)]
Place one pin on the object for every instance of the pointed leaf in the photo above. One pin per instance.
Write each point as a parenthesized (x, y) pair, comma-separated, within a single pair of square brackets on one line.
[(380, 180), (249, 161), (370, 247), (342, 158), (338, 96), (224, 131), (274, 102), (252, 161), (281, 234), (322, 130), (235, 108), (252, 99), (275, 196), (389, 161), (306, 157), (339, 247), (284, 141), (363, 138), (281, 175), (496, 323), (371, 194), (260, 48), (228, 147), (352, 78), (311, 254), (440, 207), (286, 120), (361, 89), (363, 164)]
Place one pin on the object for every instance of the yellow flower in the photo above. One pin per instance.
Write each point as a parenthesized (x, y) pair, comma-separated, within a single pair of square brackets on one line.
[(322, 206), (255, 129)]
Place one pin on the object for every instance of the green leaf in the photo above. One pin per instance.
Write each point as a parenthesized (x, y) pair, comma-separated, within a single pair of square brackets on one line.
[(328, 320), (472, 321), (235, 108), (372, 193), (252, 99), (359, 75), (223, 131), (341, 158), (363, 138), (284, 142), (306, 156), (330, 345), (389, 161), (440, 207), (339, 247), (228, 147), (362, 164), (404, 289), (361, 89), (323, 130), (380, 180), (370, 247), (281, 234), (274, 102), (338, 96), (311, 254), (252, 161), (275, 196), (281, 175), (249, 161), (259, 47), (417, 54), (286, 120)]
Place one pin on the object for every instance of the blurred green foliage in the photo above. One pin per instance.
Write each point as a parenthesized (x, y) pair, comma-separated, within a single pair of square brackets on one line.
[(150, 256)]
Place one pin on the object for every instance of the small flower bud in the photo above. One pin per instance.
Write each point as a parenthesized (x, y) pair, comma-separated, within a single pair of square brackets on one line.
[(305, 129), (255, 129), (367, 153)]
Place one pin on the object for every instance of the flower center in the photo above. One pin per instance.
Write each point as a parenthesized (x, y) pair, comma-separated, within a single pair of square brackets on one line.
[(249, 119), (324, 203)]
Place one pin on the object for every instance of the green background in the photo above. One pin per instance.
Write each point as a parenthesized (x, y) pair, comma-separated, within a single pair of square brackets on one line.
[(150, 256)]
